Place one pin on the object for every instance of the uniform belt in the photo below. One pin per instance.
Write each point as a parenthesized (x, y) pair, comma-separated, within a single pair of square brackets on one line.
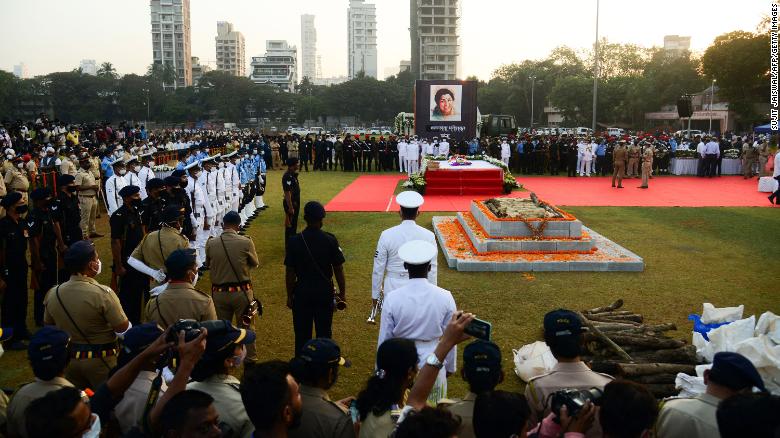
[(402, 275), (232, 287), (93, 351)]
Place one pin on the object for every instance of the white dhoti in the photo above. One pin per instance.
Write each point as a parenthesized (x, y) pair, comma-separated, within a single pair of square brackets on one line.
[(439, 390)]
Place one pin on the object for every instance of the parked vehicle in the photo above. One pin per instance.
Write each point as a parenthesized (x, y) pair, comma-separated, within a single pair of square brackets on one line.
[(583, 131), (616, 132)]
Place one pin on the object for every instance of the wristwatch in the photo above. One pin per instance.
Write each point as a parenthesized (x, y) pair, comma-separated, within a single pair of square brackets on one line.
[(434, 361)]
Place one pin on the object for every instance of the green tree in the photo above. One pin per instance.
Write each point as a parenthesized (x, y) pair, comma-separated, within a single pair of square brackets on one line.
[(106, 70)]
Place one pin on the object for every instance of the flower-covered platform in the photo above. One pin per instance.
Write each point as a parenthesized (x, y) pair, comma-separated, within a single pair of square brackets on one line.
[(513, 234)]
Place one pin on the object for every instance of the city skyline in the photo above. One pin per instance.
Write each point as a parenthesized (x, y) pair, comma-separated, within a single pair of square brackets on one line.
[(493, 32)]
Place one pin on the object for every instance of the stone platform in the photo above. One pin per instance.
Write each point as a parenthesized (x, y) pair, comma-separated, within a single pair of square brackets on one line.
[(477, 240)]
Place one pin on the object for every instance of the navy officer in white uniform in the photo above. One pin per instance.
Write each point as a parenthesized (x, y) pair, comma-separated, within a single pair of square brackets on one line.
[(420, 311), (389, 272)]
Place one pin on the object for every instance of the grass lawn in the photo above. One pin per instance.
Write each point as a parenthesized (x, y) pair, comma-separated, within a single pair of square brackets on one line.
[(726, 256)]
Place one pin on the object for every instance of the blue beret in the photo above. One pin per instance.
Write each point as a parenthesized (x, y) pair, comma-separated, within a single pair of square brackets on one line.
[(129, 191), (141, 336), (313, 210), (80, 252), (322, 351), (155, 183), (735, 371), (10, 199), (180, 259), (231, 217), (221, 340), (40, 193), (47, 344), (64, 180), (172, 181)]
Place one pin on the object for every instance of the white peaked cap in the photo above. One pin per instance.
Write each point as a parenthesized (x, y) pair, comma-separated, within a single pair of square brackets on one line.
[(409, 199), (417, 252)]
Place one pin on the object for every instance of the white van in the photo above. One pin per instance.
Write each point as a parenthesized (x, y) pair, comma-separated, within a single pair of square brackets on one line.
[(583, 131), (616, 132)]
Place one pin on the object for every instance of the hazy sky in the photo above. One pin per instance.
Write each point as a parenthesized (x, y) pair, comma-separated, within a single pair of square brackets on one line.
[(49, 35)]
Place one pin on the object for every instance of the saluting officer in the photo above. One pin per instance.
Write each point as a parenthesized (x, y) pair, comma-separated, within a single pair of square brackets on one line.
[(181, 300), (292, 199), (313, 258), (45, 240), (88, 189), (127, 232), (150, 255), (91, 313), (317, 368), (13, 267), (230, 257), (389, 272)]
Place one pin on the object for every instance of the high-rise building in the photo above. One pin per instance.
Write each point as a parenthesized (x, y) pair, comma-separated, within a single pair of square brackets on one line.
[(361, 38), (279, 65), (171, 43), (308, 47), (677, 44), (20, 71), (88, 67), (231, 49), (198, 70), (434, 31), (404, 65)]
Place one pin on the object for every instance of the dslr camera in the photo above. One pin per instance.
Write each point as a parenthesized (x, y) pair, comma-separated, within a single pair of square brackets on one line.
[(191, 329), (574, 400)]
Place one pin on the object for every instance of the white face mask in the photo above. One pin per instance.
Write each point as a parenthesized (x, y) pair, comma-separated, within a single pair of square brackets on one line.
[(136, 168), (122, 171), (99, 268), (20, 165), (94, 429), (9, 156), (196, 175), (221, 165)]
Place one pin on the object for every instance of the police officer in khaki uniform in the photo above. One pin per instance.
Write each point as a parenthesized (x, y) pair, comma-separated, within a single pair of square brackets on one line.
[(150, 255), (16, 178), (563, 334), (316, 368), (88, 189), (230, 257), (647, 165), (731, 374), (225, 351), (619, 156), (180, 300), (48, 355), (482, 370), (634, 154), (90, 313)]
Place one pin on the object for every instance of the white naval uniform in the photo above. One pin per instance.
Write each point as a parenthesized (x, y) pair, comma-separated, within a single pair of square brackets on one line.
[(427, 148), (444, 149), (593, 148), (412, 156), (389, 267), (201, 213), (587, 158), (131, 179), (580, 153), (145, 174), (420, 311), (505, 153), (402, 164), (113, 185), (234, 183), (221, 201)]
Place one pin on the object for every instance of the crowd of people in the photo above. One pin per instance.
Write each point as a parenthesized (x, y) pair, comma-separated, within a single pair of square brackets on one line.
[(152, 355)]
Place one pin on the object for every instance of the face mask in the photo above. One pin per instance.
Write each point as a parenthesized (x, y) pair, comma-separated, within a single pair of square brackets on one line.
[(137, 203), (238, 360), (246, 155), (20, 165), (136, 168), (151, 164), (221, 165), (99, 268), (94, 429), (22, 209), (122, 171), (183, 185), (72, 189), (73, 158)]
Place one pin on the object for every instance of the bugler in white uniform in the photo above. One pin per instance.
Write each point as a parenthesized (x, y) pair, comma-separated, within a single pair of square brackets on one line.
[(420, 311), (114, 184), (146, 173)]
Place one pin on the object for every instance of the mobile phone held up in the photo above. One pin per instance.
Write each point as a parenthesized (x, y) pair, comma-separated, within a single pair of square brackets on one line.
[(479, 329)]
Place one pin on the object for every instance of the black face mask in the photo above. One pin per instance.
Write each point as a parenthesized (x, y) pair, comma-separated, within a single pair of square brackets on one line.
[(183, 185), (137, 203), (22, 209), (72, 189)]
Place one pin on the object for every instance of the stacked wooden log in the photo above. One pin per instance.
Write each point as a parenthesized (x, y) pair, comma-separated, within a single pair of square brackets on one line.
[(620, 343)]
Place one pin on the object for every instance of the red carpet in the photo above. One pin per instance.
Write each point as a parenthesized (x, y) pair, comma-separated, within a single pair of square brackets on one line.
[(375, 193)]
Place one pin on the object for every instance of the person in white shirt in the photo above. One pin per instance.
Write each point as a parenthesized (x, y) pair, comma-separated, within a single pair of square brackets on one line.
[(221, 204), (775, 197), (444, 148), (711, 154), (586, 149), (593, 147), (580, 151), (114, 184), (402, 146), (232, 181), (202, 214), (427, 148), (505, 152), (420, 311), (131, 177), (412, 156), (700, 151), (146, 173), (389, 272)]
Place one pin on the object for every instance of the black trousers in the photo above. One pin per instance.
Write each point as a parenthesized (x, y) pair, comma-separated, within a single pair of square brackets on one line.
[(293, 228), (133, 293), (306, 315), (46, 280), (13, 311)]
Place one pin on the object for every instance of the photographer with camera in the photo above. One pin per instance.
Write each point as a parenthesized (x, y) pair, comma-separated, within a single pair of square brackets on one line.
[(563, 334), (226, 349), (316, 368), (731, 374), (181, 300), (313, 258), (482, 371), (420, 311), (230, 257)]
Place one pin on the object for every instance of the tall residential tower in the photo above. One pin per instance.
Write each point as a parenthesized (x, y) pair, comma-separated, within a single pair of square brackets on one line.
[(308, 47), (230, 49), (171, 43), (361, 38), (434, 31)]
